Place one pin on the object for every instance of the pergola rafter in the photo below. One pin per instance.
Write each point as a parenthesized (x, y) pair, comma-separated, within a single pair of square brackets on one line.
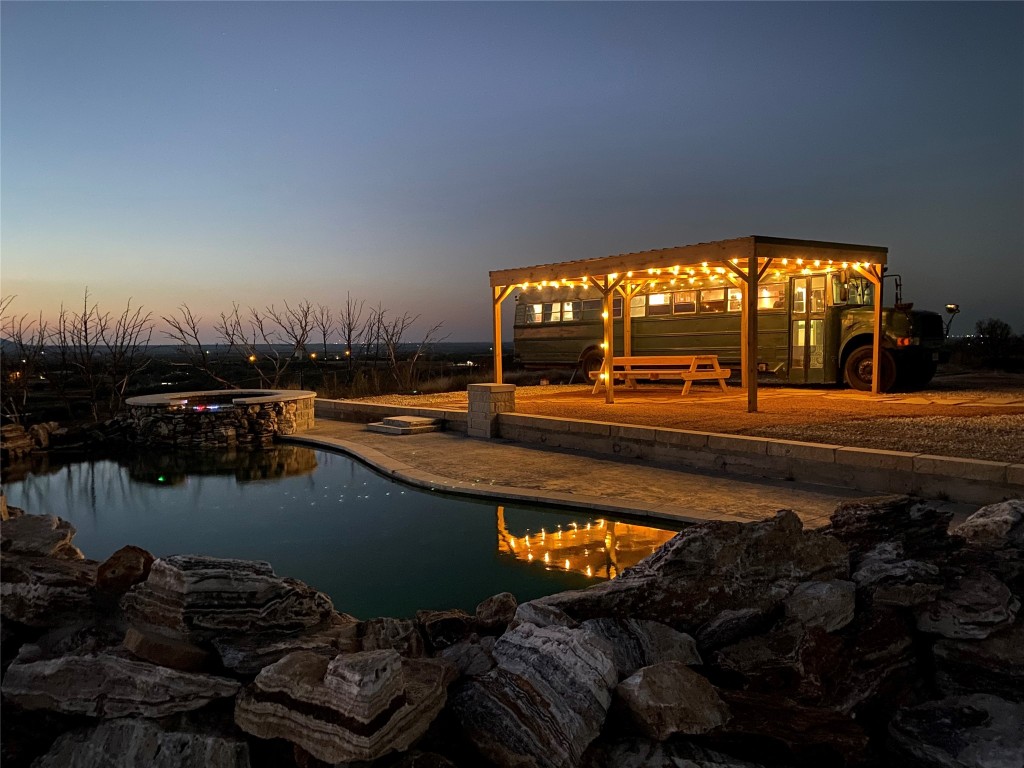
[(742, 262)]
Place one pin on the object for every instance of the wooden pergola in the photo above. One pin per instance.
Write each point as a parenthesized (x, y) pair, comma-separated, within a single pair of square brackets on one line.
[(741, 262)]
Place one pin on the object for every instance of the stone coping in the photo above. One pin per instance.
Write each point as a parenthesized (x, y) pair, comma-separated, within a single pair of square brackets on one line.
[(240, 396), (419, 478)]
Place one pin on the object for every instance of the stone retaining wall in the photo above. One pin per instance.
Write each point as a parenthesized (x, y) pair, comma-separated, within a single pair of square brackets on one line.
[(249, 419)]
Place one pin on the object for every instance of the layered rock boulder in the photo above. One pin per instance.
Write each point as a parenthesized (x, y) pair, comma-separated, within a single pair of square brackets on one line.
[(637, 643), (357, 706), (44, 591), (125, 568), (103, 685), (669, 698), (134, 743), (711, 568), (39, 535), (974, 731), (974, 607), (546, 700), (240, 609), (203, 597)]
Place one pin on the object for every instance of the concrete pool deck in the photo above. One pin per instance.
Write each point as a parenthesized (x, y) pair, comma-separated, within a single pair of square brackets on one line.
[(451, 462)]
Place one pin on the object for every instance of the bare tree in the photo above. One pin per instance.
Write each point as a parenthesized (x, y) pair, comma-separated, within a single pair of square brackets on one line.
[(184, 330), (351, 327), (126, 342), (84, 333), (22, 347), (269, 339), (403, 368), (324, 321)]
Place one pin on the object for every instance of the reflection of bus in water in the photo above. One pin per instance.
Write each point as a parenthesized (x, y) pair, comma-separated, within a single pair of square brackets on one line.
[(812, 329), (599, 549)]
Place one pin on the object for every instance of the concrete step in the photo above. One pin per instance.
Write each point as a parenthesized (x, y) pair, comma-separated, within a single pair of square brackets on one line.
[(404, 425), (410, 421)]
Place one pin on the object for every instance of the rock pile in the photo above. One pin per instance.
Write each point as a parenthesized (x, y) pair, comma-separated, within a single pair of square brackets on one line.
[(882, 639)]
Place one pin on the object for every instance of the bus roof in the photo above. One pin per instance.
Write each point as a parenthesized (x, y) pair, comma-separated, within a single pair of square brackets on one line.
[(814, 256)]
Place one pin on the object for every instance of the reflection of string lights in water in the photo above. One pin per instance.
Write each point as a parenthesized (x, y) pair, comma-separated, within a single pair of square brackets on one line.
[(599, 549)]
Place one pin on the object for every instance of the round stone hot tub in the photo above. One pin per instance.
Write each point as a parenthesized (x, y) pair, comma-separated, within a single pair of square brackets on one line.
[(220, 418)]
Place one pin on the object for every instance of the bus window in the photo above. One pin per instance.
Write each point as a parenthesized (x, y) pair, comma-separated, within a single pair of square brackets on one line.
[(552, 312), (712, 300), (800, 300), (659, 304), (818, 293), (616, 307), (637, 305), (840, 295), (861, 291), (534, 313), (592, 309), (684, 302), (772, 296), (571, 310), (735, 299)]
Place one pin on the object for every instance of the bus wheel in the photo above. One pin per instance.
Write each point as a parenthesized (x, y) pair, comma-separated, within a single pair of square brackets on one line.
[(591, 362), (858, 370)]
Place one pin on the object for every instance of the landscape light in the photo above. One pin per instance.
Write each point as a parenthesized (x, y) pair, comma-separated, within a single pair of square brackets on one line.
[(953, 310)]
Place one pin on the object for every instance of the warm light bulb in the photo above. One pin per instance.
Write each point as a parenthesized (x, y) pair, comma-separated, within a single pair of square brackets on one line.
[(817, 262), (799, 262), (604, 315), (785, 262)]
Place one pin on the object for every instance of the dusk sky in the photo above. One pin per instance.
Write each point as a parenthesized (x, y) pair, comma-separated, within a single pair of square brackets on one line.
[(260, 152)]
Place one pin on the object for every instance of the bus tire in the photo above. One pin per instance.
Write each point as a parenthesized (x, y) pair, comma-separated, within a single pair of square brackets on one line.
[(591, 361), (858, 369)]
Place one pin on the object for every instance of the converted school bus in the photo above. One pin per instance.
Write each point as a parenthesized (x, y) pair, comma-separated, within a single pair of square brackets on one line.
[(795, 311)]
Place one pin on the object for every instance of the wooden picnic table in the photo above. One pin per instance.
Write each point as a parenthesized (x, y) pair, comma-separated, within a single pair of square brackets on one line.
[(688, 368)]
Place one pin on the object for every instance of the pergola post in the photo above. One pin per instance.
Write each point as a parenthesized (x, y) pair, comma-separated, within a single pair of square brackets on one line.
[(611, 282), (750, 342), (498, 294), (628, 291), (748, 280), (876, 346), (875, 274)]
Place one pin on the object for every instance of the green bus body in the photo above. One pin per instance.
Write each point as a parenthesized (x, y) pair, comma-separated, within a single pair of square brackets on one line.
[(811, 330)]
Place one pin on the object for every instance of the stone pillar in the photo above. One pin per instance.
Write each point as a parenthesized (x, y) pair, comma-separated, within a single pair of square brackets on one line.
[(486, 401)]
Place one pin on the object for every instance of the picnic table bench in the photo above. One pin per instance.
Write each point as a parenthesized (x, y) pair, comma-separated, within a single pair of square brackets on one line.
[(688, 368)]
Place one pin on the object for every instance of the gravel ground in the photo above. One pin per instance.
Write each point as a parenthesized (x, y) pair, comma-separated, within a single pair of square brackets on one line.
[(979, 416)]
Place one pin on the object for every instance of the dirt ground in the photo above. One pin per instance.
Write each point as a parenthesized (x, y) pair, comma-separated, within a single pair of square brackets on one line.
[(966, 414)]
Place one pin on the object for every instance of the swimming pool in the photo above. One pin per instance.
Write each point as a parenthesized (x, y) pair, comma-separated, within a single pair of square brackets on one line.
[(377, 547)]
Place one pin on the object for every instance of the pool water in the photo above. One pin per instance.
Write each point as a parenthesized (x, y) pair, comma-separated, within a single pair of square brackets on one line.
[(377, 547)]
